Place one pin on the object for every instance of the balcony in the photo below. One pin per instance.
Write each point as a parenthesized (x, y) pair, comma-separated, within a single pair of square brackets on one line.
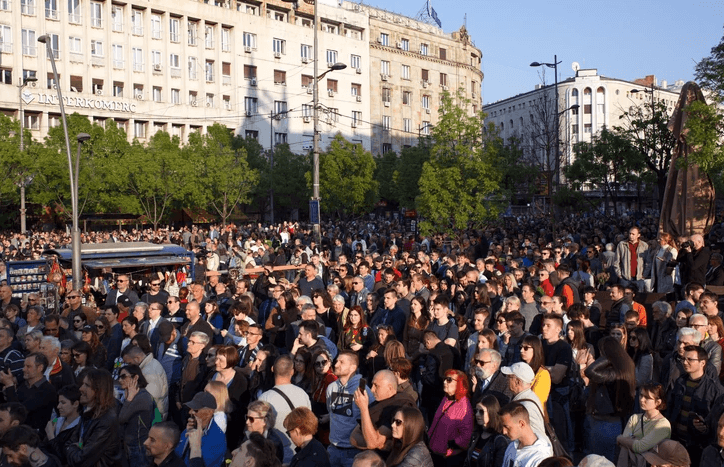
[(74, 18)]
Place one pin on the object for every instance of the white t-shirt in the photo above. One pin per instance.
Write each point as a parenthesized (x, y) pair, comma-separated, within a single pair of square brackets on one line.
[(529, 456), (281, 408)]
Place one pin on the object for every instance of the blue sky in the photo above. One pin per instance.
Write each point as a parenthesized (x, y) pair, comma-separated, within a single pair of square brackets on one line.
[(622, 39)]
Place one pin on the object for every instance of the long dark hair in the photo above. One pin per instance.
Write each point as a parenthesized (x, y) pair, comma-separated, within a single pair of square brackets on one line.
[(624, 370), (644, 347), (538, 358), (491, 404), (413, 432), (104, 399)]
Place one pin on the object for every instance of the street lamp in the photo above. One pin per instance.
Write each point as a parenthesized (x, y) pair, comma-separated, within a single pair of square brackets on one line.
[(647, 91), (75, 234), (23, 183), (554, 65), (75, 239), (314, 205)]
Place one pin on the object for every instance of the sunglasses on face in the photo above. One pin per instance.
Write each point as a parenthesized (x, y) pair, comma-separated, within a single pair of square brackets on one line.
[(397, 422), (321, 363)]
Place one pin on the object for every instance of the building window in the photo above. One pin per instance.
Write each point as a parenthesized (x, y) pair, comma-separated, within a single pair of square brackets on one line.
[(209, 71), (407, 125), (75, 45), (192, 30), (32, 121), (356, 118), (330, 28), (332, 85), (425, 128), (96, 14), (27, 7), (156, 27), (280, 77), (226, 40), (6, 38), (118, 61), (279, 46), (279, 16), (423, 49), (117, 89), (137, 22), (354, 34), (226, 73), (176, 96), (384, 39), (97, 48), (386, 122), (29, 47), (307, 52), (587, 109), (386, 147), (280, 107), (406, 97), (139, 129), (156, 60), (117, 18), (173, 61), (425, 75), (137, 55), (250, 105), (249, 72), (249, 40), (443, 54), (192, 98), (587, 128), (331, 57), (355, 61), (156, 94), (405, 72), (405, 44), (6, 76), (280, 138), (210, 100), (173, 30), (356, 89), (443, 79), (385, 67), (307, 110), (425, 102), (386, 95), (209, 37), (227, 102), (251, 134), (192, 68), (51, 8), (307, 81)]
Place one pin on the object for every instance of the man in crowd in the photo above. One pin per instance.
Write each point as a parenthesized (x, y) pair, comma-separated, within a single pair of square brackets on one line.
[(520, 378), (558, 356), (160, 445), (526, 448), (343, 413)]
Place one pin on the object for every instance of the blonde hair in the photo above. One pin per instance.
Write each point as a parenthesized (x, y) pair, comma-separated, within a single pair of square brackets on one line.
[(221, 394)]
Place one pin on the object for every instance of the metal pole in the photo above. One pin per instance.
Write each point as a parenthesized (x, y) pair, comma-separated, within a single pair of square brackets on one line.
[(23, 223), (315, 139), (558, 124), (271, 167), (75, 233)]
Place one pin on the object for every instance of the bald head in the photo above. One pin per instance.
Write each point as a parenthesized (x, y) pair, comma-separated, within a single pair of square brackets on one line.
[(384, 385)]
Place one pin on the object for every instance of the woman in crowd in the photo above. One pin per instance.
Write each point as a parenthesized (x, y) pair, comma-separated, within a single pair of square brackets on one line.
[(356, 335), (611, 397), (213, 316), (375, 359), (452, 427), (323, 304), (583, 274), (262, 378), (12, 314), (393, 349), (531, 352), (416, 325), (583, 353), (642, 355), (682, 317), (408, 444), (619, 332), (227, 373), (323, 376), (129, 325), (261, 418), (488, 339), (97, 356), (223, 404), (80, 353), (99, 440), (136, 414), (715, 328), (301, 425), (303, 370), (488, 445), (644, 430), (510, 285), (280, 317), (68, 416), (79, 320), (32, 341), (480, 298), (662, 274)]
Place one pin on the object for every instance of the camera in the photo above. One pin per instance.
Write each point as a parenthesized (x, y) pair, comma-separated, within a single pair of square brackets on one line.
[(687, 244)]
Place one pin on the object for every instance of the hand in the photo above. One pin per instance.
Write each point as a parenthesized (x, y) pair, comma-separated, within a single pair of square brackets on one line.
[(132, 389), (324, 418), (36, 457), (50, 429), (362, 400), (699, 425), (7, 379), (356, 347), (224, 332), (372, 354)]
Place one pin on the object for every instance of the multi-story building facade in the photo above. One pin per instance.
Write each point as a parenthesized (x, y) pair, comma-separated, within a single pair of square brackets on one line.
[(411, 64), (247, 64)]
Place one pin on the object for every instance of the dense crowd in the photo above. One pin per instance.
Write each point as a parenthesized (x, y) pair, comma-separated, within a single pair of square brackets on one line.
[(592, 340)]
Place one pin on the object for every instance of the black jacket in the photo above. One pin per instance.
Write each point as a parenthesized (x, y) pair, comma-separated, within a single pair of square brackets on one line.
[(702, 402), (311, 455), (95, 442)]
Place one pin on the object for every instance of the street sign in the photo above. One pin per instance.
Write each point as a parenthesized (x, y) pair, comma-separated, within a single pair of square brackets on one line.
[(314, 211)]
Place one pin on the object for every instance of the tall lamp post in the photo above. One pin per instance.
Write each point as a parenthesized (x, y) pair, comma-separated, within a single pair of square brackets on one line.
[(314, 205), (75, 233), (25, 180), (554, 65)]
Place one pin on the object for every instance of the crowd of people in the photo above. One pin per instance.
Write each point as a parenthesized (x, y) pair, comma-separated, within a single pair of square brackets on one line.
[(595, 341)]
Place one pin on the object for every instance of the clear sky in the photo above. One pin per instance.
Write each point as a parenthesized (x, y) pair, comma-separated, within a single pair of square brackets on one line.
[(622, 39)]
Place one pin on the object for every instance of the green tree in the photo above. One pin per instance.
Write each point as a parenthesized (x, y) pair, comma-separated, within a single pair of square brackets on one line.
[(709, 72), (406, 179), (460, 183), (156, 176), (101, 167), (290, 189), (608, 161), (519, 175), (221, 175), (647, 128), (346, 178), (385, 166)]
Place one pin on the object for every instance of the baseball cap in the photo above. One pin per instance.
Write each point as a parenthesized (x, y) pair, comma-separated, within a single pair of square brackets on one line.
[(521, 370), (668, 452), (202, 400), (125, 301), (88, 328)]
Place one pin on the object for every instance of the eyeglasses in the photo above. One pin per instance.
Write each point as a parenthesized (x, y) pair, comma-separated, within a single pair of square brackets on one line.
[(121, 280), (289, 432), (526, 347), (450, 379), (321, 363), (482, 362), (397, 422), (77, 355), (689, 360), (194, 342), (77, 320), (501, 321), (100, 326), (70, 297), (251, 419), (479, 411), (156, 284)]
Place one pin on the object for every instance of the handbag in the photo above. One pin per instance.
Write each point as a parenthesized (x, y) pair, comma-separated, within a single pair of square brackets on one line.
[(558, 449)]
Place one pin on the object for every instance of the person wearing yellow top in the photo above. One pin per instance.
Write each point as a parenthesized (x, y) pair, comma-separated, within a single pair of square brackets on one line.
[(531, 352)]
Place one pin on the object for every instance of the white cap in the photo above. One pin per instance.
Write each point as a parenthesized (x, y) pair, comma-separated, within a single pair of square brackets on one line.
[(521, 370)]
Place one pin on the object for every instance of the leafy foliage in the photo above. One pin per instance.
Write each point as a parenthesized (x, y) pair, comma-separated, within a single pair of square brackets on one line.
[(406, 178), (709, 72), (458, 182)]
